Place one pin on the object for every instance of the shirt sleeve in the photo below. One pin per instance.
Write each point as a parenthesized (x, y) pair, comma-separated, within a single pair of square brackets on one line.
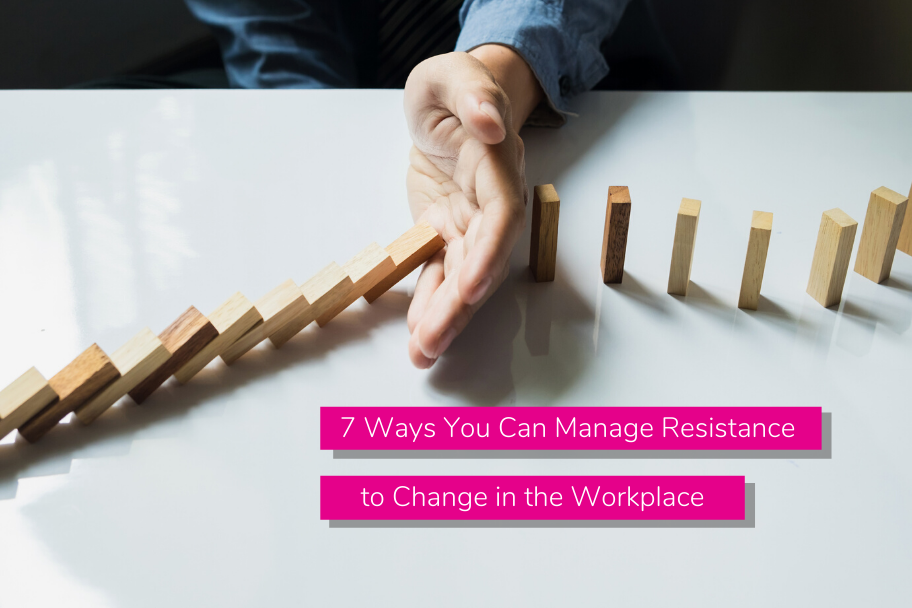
[(559, 39)]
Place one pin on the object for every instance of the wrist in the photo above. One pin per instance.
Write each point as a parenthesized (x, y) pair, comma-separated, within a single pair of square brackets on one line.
[(514, 76)]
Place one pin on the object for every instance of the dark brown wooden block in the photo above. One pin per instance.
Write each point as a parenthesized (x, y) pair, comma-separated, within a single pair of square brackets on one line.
[(543, 248), (614, 241), (184, 338), (74, 384)]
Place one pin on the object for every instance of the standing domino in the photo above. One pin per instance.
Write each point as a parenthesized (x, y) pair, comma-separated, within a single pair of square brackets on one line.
[(683, 250), (755, 261), (905, 236), (614, 241), (545, 217), (880, 234), (831, 257)]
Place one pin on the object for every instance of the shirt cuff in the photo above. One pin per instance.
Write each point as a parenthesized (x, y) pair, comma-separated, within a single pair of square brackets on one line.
[(564, 62)]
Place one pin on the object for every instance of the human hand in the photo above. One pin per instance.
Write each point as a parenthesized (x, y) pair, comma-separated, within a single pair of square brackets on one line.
[(467, 179)]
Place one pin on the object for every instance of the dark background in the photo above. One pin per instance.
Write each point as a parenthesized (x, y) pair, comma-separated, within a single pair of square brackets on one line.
[(836, 45)]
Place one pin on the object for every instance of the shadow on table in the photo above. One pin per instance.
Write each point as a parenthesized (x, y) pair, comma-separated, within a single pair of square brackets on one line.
[(899, 284), (631, 287), (479, 367), (113, 433)]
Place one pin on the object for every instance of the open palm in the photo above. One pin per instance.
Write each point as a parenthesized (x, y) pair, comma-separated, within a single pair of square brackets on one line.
[(466, 178)]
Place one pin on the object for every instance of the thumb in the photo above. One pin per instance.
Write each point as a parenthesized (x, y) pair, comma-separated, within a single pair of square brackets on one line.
[(463, 86), (482, 111)]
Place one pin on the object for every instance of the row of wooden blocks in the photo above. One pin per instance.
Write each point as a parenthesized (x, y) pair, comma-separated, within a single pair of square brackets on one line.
[(886, 229), (93, 382)]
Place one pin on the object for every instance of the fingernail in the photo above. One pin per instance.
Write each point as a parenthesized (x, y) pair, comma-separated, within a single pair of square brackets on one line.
[(480, 290), (491, 110), (445, 341)]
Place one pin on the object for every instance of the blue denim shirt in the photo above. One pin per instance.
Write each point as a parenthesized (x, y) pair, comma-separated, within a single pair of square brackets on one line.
[(314, 43), (559, 39)]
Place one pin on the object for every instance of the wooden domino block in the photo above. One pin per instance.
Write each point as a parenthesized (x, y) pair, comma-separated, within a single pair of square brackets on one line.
[(26, 396), (235, 317), (323, 291), (831, 257), (87, 374), (408, 252), (184, 339), (545, 217), (614, 241), (755, 261), (905, 235), (367, 269), (683, 250), (135, 360), (278, 308), (880, 234)]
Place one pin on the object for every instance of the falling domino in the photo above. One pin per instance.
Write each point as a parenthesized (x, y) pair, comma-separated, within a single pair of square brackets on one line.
[(683, 250), (755, 261), (26, 396), (366, 269), (135, 361), (545, 218), (184, 339), (322, 291), (87, 374), (278, 308), (831, 257), (235, 317), (614, 241), (880, 234), (408, 252), (905, 236)]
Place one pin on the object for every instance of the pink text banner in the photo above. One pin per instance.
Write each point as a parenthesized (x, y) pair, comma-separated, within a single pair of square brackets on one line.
[(540, 498)]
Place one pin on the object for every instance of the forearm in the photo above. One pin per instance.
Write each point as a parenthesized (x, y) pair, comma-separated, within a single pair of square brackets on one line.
[(514, 76)]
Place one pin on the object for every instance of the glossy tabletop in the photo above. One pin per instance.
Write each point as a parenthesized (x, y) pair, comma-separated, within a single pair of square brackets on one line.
[(120, 209)]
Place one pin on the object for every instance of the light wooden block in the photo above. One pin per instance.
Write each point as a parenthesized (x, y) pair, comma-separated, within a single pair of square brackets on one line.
[(235, 317), (26, 396), (278, 308), (614, 240), (831, 257), (135, 360), (545, 219), (683, 250), (323, 291), (880, 234), (755, 261), (87, 374), (408, 252), (184, 339), (372, 265), (905, 236)]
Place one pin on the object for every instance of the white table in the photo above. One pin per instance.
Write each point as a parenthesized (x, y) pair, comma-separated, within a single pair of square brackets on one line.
[(120, 209)]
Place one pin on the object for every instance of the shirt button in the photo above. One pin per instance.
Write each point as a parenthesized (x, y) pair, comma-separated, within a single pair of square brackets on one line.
[(564, 83)]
